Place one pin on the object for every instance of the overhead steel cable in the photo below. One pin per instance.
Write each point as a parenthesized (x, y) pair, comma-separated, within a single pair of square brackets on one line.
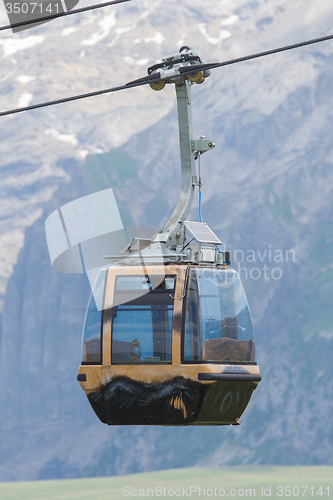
[(61, 14), (134, 83), (201, 67), (156, 77)]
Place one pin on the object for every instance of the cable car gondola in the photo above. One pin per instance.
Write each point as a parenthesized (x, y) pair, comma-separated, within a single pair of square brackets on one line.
[(168, 336)]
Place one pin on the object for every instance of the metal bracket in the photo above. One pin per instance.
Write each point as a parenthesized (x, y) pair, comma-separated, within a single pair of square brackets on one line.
[(195, 181), (202, 145)]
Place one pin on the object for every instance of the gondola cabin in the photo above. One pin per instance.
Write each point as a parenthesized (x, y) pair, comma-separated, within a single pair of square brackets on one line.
[(172, 345), (168, 336)]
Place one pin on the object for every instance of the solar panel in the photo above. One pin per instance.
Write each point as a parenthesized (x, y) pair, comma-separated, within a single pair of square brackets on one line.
[(201, 232)]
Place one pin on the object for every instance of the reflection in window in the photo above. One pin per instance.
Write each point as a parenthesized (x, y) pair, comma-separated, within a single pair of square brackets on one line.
[(92, 330), (218, 326), (142, 323)]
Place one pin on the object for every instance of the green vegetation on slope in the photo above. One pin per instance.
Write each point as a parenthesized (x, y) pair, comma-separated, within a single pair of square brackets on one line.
[(254, 481), (281, 206), (112, 169)]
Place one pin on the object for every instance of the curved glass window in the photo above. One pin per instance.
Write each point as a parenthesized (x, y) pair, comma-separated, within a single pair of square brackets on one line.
[(92, 329), (142, 323), (218, 326)]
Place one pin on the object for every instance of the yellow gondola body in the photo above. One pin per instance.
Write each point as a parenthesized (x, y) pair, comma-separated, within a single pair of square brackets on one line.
[(171, 375)]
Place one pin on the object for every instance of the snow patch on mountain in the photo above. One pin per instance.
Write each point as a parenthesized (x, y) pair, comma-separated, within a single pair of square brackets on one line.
[(24, 100), (62, 137), (106, 24), (12, 45)]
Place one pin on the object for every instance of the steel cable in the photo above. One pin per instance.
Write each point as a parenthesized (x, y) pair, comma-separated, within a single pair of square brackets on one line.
[(61, 14), (155, 77)]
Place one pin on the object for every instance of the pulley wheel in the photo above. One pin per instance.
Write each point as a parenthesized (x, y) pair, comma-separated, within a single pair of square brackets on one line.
[(196, 77), (158, 85)]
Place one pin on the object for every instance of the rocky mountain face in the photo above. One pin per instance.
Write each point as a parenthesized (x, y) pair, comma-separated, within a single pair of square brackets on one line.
[(267, 192)]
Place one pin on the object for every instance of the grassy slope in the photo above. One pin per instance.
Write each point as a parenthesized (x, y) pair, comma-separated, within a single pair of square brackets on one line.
[(238, 478)]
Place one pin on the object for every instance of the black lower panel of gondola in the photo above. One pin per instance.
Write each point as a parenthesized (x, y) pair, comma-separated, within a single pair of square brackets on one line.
[(176, 402)]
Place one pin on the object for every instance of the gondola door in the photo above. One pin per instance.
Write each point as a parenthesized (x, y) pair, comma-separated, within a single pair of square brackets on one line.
[(144, 324)]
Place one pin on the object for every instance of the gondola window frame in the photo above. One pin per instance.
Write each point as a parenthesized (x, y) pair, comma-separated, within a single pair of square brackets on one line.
[(185, 323), (167, 309)]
